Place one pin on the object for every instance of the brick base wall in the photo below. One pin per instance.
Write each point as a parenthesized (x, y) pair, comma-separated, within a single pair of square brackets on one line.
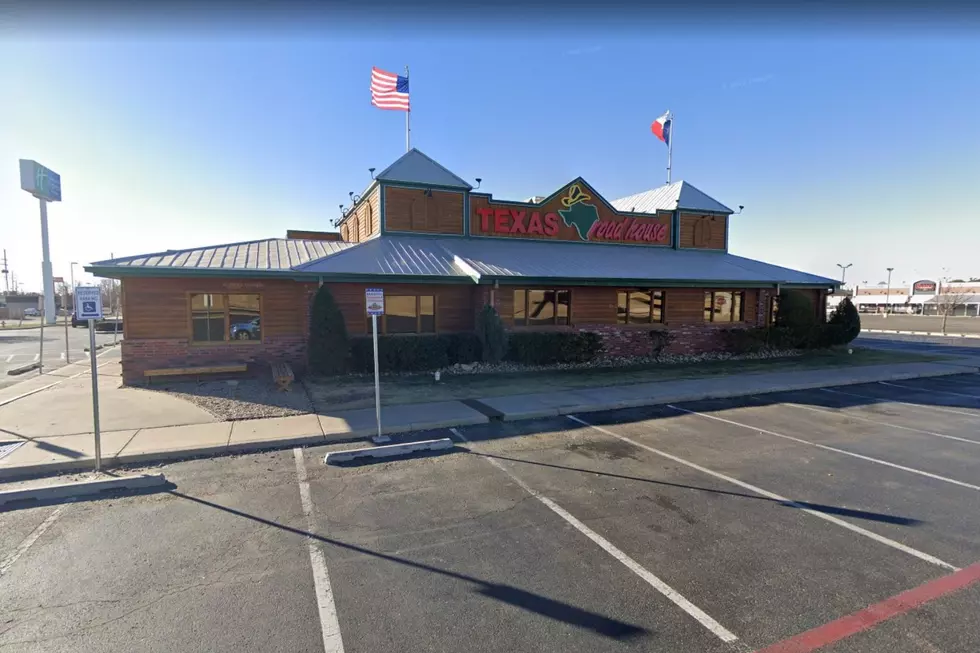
[(141, 355), (619, 340)]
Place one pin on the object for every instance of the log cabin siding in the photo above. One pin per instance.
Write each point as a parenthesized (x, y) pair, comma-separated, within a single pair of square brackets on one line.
[(454, 303), (410, 209), (703, 231), (160, 307)]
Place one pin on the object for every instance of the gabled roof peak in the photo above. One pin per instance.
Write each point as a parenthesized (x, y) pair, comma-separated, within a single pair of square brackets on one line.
[(417, 168), (676, 195)]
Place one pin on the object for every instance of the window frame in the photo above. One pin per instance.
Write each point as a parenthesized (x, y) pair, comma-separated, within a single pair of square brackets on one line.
[(383, 321), (527, 308), (653, 293), (227, 315), (741, 306)]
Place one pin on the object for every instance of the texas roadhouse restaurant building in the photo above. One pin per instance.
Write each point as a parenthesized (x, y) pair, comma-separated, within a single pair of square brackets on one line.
[(440, 251)]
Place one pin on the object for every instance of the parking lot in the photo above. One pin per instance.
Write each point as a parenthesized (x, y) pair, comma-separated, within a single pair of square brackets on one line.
[(756, 524)]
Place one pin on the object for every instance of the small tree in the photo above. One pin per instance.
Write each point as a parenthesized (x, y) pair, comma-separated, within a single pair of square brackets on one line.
[(493, 337), (948, 300), (328, 348), (844, 323)]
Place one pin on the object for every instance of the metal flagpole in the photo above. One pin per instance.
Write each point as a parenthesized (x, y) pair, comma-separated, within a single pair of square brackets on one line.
[(408, 122), (670, 142)]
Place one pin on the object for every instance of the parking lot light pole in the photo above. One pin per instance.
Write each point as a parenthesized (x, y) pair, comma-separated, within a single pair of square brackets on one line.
[(888, 293), (843, 271)]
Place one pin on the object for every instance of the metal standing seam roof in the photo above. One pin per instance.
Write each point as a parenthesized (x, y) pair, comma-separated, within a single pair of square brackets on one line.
[(677, 195), (417, 168), (472, 258), (280, 254)]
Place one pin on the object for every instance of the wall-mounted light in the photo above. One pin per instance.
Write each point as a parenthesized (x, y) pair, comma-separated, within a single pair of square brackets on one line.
[(350, 194), (478, 182), (740, 207), (633, 210), (341, 208), (371, 170)]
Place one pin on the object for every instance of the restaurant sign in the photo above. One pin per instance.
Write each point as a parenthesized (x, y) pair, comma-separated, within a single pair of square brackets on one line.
[(575, 217), (924, 288)]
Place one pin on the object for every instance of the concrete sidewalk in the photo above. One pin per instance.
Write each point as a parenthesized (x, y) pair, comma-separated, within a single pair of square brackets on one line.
[(45, 455)]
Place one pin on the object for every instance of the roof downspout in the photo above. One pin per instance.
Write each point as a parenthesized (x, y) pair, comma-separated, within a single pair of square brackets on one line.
[(319, 280)]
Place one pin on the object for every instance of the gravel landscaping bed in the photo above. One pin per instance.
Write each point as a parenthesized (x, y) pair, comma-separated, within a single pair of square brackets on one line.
[(241, 399)]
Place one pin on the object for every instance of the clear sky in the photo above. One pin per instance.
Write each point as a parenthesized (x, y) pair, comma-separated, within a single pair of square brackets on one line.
[(857, 147)]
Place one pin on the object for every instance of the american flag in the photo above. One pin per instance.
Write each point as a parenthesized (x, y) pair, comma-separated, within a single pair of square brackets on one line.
[(388, 90)]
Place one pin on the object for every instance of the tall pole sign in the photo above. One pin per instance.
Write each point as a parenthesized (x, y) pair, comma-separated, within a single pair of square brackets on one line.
[(45, 185), (88, 306), (374, 301)]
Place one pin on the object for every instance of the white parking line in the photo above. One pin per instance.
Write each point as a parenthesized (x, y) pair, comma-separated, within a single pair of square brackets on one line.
[(885, 400), (846, 415), (670, 593), (37, 357), (329, 624), (10, 358), (22, 548), (829, 448), (776, 497), (942, 392)]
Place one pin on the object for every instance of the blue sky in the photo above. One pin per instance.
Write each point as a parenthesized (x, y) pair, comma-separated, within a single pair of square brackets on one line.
[(848, 148)]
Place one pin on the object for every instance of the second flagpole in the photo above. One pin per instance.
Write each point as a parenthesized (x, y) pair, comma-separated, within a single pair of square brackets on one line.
[(408, 122), (670, 142)]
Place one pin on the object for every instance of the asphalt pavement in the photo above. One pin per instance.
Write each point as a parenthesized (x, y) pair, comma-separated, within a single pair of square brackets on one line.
[(21, 346), (723, 525), (942, 345)]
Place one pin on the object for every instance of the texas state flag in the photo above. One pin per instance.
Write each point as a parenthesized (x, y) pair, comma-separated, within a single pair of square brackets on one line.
[(661, 128)]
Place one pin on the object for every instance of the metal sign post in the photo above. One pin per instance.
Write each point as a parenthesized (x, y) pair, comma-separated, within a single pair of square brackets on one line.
[(40, 355), (88, 306), (45, 185), (374, 301)]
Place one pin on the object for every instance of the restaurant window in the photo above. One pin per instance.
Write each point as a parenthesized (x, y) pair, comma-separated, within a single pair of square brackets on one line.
[(407, 314), (773, 309), (535, 307), (222, 317), (640, 306), (723, 306)]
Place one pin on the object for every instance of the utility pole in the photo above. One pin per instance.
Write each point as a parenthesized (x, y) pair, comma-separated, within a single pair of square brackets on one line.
[(6, 279), (888, 292)]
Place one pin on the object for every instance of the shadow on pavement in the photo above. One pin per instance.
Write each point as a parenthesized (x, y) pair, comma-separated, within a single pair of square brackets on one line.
[(546, 607), (830, 510)]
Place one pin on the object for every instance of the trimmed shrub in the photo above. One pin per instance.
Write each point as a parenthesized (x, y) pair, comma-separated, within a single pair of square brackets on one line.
[(327, 348), (659, 341), (491, 334), (746, 341), (798, 319), (549, 347), (414, 353), (847, 321)]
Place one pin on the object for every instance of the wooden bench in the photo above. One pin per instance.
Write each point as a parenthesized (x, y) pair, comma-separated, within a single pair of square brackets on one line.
[(195, 371), (282, 374)]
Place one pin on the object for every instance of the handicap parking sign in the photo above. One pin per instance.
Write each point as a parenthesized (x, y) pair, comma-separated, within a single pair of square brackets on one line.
[(88, 303)]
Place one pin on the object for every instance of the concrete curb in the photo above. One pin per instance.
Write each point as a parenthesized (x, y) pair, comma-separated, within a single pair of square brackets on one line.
[(23, 368), (319, 439), (388, 450), (678, 398), (82, 488), (924, 333)]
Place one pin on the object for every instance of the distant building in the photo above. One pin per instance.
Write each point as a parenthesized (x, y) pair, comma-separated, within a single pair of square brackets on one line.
[(919, 298), (12, 307)]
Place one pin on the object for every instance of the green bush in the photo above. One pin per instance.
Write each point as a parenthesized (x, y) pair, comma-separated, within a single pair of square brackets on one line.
[(659, 341), (414, 353), (746, 341), (327, 348), (491, 334), (846, 321), (546, 348), (797, 317)]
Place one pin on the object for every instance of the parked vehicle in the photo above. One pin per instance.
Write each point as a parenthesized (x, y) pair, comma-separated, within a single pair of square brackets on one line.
[(31, 312), (246, 330)]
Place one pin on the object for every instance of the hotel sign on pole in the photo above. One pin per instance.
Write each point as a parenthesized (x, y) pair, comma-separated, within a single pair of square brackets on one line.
[(41, 182), (924, 287)]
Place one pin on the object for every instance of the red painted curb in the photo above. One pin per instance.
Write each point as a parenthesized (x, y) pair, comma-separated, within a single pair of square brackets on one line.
[(869, 617)]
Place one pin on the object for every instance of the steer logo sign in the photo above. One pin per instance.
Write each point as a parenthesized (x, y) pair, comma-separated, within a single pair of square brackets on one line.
[(584, 217)]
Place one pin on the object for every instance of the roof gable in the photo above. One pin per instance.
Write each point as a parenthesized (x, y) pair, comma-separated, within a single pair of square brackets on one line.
[(416, 168), (678, 195)]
